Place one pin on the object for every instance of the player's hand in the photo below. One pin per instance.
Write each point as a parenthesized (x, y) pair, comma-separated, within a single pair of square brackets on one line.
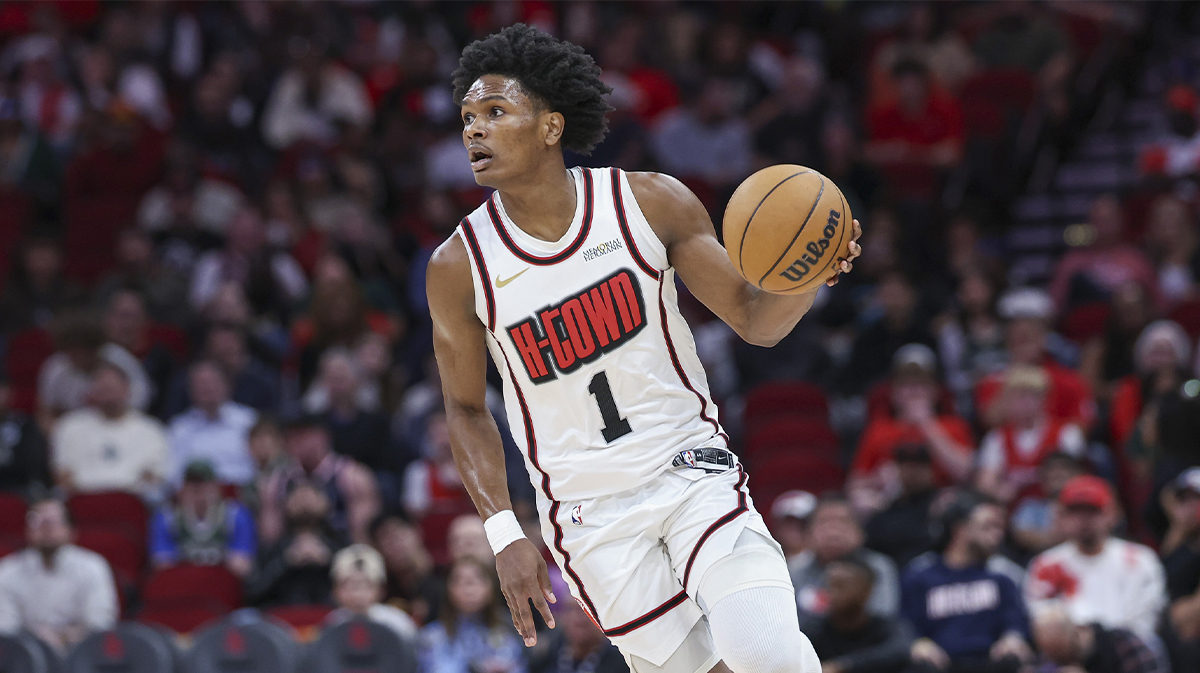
[(523, 578), (847, 263)]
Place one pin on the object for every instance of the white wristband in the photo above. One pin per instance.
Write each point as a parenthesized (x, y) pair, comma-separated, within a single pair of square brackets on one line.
[(502, 529)]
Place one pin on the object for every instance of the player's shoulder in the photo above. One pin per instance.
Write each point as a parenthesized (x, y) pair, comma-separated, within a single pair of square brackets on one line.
[(668, 205), (450, 256)]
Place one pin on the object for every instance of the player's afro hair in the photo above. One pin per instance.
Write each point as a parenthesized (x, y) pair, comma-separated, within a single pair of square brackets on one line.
[(560, 74)]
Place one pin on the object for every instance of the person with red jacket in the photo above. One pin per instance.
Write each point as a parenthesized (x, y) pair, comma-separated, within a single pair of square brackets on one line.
[(1010, 455)]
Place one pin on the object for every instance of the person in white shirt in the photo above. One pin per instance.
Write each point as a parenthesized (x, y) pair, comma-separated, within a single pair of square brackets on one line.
[(359, 584), (65, 377), (1094, 576), (52, 588), (214, 429), (109, 446)]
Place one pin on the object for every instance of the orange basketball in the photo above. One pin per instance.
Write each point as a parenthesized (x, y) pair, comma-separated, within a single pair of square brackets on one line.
[(786, 229)]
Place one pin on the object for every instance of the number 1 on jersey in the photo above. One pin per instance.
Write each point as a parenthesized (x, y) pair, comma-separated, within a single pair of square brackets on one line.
[(614, 425)]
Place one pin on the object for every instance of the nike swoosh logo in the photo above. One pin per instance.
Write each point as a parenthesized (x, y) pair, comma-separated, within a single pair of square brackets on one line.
[(506, 281)]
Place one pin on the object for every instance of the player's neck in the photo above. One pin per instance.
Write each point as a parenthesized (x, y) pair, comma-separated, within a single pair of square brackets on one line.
[(542, 204)]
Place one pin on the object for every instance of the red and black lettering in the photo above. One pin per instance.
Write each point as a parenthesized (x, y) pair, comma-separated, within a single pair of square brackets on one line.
[(580, 328)]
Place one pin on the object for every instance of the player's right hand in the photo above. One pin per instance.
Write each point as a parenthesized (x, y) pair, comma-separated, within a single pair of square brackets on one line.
[(523, 578)]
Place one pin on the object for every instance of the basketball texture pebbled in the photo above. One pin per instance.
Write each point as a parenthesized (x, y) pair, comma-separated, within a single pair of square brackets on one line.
[(786, 228)]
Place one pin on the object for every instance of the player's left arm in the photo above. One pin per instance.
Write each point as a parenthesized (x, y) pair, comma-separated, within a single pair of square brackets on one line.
[(684, 227)]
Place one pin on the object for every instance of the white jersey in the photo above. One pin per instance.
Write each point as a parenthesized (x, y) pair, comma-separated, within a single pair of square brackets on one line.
[(602, 384)]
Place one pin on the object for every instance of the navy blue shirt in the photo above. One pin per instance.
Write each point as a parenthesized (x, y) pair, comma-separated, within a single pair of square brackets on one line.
[(963, 610)]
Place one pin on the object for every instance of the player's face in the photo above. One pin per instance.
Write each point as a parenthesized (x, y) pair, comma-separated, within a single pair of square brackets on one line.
[(505, 130)]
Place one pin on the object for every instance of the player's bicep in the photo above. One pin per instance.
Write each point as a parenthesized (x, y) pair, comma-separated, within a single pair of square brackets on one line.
[(458, 335)]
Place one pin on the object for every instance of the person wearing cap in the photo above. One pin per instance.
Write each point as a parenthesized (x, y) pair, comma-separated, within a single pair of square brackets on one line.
[(874, 479), (359, 586), (1180, 551), (1010, 455), (1095, 271), (109, 445), (1160, 357), (789, 521), (967, 616), (203, 527), (1028, 314), (901, 530), (1097, 577)]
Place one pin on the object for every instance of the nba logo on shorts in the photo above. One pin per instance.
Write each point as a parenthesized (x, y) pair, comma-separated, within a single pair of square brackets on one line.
[(577, 515), (689, 458)]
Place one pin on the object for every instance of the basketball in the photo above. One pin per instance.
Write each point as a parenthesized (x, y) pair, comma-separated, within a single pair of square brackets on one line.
[(786, 228)]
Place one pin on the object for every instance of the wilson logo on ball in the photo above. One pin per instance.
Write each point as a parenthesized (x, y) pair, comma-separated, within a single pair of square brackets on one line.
[(815, 250)]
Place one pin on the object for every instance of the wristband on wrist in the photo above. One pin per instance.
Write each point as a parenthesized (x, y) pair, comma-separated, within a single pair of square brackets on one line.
[(502, 529)]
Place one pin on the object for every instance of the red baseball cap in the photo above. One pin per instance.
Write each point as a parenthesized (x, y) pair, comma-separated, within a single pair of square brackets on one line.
[(1088, 491)]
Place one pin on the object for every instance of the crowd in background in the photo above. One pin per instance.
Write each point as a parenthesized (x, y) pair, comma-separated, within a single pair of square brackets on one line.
[(215, 220)]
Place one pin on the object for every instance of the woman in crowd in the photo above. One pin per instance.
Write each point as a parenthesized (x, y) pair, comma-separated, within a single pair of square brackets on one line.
[(471, 634)]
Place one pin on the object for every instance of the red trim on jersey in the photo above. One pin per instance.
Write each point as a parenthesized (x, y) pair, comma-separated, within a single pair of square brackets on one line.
[(481, 266), (635, 624), (531, 442), (588, 202), (662, 311), (1047, 444), (623, 223), (730, 516)]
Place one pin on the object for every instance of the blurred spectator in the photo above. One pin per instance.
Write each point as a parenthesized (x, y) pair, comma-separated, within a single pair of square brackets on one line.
[(1163, 444), (468, 539), (314, 98), (1109, 356), (254, 384), (1027, 340), (841, 151), (295, 569), (577, 645), (915, 137), (902, 529), (203, 527), (470, 633), (971, 336), (162, 286), (126, 325), (219, 121), (356, 428), (1093, 575), (214, 428), (1160, 357), (337, 316), (704, 139), (1010, 455), (793, 131), (914, 387), (1090, 648), (1095, 272), (107, 445), (834, 533), (265, 440), (967, 617), (359, 584), (790, 515), (1174, 248), (288, 226), (28, 162), (273, 281), (350, 488), (1180, 552), (66, 376), (59, 592), (432, 484), (922, 37), (877, 343), (411, 584), (849, 639), (48, 103), (23, 454), (1019, 35), (186, 203), (1032, 526), (36, 291)]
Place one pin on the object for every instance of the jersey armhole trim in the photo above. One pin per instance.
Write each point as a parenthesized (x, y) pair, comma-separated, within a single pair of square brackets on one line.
[(530, 258), (662, 309), (626, 233), (481, 268)]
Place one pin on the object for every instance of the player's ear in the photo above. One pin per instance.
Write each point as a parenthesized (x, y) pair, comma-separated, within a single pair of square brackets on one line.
[(554, 123)]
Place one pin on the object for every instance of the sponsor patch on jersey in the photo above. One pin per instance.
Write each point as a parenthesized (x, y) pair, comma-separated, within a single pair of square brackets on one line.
[(602, 249), (577, 515), (563, 336)]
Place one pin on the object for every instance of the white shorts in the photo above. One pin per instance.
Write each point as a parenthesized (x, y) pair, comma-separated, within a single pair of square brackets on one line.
[(636, 560)]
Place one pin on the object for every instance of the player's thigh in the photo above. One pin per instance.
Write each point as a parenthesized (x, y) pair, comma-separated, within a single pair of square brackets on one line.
[(696, 654)]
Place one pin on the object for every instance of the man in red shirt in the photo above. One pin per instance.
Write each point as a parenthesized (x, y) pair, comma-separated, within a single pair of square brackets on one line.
[(874, 480)]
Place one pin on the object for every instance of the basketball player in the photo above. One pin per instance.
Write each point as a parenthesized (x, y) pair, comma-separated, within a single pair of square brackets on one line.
[(568, 278)]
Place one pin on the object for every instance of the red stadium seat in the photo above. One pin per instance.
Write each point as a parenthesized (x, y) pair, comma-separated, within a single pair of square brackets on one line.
[(172, 338), (435, 529), (189, 583), (1085, 322), (305, 619), (1187, 315), (777, 399), (111, 510), (991, 98), (791, 434), (182, 618), (9, 545), (126, 558), (787, 471), (27, 350), (12, 516)]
